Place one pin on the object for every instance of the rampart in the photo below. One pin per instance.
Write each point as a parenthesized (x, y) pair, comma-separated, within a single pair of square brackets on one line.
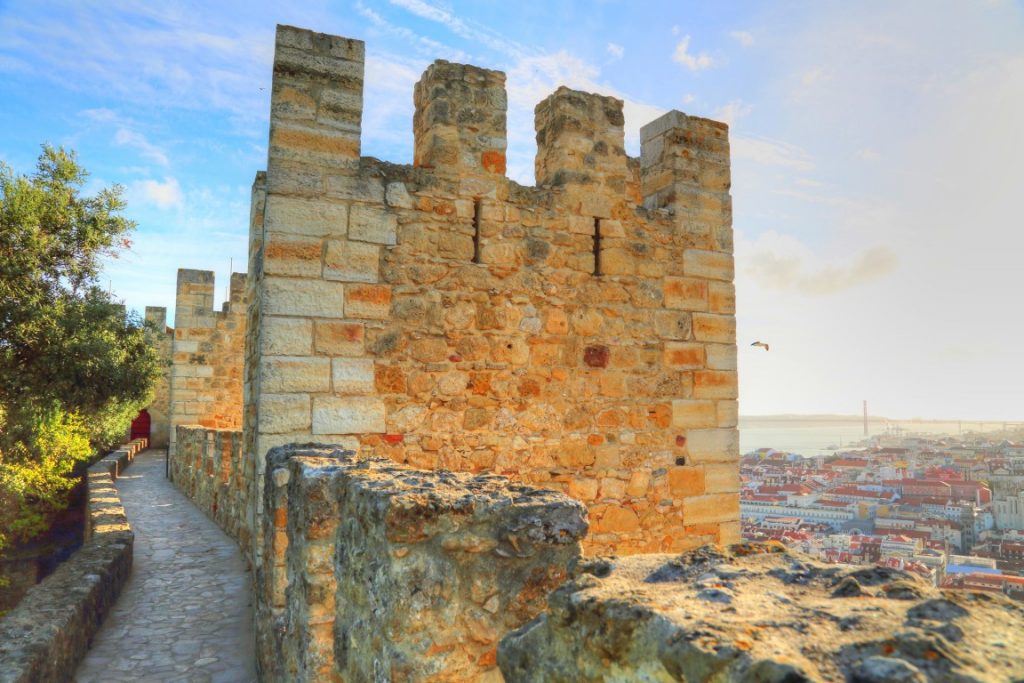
[(577, 336), (207, 354), (45, 637)]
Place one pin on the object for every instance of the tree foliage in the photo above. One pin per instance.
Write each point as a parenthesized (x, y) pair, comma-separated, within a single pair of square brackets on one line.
[(74, 369)]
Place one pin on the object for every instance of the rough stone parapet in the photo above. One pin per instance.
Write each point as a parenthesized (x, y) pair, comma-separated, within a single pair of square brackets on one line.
[(378, 571), (45, 637), (762, 613), (208, 466)]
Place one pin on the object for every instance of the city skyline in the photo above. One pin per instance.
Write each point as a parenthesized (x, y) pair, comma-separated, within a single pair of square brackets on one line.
[(873, 155)]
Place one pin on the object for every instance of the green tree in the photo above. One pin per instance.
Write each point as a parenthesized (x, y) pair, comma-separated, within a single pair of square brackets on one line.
[(74, 369)]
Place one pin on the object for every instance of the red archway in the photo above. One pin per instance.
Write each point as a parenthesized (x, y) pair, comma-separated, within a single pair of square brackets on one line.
[(140, 426)]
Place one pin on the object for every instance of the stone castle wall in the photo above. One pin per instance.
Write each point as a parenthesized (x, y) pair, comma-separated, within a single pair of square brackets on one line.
[(578, 335), (208, 351), (160, 408)]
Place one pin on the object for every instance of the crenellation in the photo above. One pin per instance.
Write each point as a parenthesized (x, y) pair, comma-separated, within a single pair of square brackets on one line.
[(459, 123), (581, 142), (316, 110)]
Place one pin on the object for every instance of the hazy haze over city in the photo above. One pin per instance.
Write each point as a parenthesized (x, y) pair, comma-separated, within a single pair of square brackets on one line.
[(876, 155)]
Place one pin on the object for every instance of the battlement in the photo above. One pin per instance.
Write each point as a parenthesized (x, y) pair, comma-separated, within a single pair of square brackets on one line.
[(578, 335), (207, 353)]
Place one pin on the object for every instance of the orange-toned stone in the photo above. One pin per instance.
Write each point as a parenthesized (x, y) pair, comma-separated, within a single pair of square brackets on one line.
[(493, 162), (686, 481)]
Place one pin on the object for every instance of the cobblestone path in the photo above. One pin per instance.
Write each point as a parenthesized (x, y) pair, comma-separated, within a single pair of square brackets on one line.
[(185, 613)]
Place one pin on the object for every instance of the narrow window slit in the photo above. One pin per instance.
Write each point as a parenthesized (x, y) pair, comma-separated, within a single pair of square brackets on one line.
[(476, 231), (597, 246)]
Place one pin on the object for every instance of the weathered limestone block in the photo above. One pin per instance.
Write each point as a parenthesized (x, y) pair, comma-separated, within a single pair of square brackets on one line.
[(401, 574), (760, 613)]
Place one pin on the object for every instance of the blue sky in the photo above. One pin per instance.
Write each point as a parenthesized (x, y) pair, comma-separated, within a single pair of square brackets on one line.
[(877, 155)]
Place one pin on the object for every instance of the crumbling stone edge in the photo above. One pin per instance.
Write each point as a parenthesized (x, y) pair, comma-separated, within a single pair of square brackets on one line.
[(45, 637)]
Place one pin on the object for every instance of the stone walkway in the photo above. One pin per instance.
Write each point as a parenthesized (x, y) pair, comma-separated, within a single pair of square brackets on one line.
[(185, 614)]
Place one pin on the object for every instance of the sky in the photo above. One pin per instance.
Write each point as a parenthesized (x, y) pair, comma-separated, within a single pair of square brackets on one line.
[(877, 155)]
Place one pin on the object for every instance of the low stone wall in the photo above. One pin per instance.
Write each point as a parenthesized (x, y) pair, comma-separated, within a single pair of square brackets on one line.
[(376, 571), (207, 467), (761, 613), (46, 636)]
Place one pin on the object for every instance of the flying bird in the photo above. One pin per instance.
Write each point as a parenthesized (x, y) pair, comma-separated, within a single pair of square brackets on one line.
[(762, 344)]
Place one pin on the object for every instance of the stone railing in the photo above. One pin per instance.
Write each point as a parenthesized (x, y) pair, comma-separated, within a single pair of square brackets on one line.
[(48, 633), (207, 467), (376, 571)]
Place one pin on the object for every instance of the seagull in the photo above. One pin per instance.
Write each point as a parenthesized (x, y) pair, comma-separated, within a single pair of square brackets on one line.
[(762, 344)]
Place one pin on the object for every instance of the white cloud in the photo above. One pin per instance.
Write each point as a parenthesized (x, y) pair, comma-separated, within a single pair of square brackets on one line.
[(770, 153), (780, 262), (692, 62), (733, 111), (461, 28), (616, 51), (816, 76), (130, 138), (869, 154), (165, 195), (744, 38)]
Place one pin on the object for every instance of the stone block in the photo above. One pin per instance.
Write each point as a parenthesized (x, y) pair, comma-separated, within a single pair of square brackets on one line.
[(712, 445), (711, 508), (715, 384), (686, 293), (348, 415), (373, 224), (286, 336), (684, 356), (721, 356), (713, 265), (368, 301), (673, 325), (685, 482), (728, 413), (352, 376), (286, 374), (283, 413), (315, 217), (694, 414), (292, 255), (305, 298), (711, 327), (722, 298), (721, 478), (339, 338), (351, 261)]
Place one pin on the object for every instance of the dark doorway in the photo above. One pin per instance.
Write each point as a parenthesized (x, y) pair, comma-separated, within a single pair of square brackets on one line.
[(140, 426)]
